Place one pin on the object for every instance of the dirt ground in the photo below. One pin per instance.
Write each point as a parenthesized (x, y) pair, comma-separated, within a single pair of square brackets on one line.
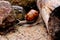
[(37, 32)]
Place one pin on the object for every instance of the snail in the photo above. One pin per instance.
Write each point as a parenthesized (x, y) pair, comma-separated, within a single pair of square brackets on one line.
[(30, 17)]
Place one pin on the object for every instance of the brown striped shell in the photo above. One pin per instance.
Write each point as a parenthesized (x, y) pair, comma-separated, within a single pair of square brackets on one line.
[(32, 15)]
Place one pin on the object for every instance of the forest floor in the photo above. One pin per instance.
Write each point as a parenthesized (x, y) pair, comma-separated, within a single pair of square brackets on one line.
[(37, 32)]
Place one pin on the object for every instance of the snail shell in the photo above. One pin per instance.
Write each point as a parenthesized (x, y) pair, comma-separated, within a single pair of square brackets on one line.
[(46, 7), (32, 15)]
